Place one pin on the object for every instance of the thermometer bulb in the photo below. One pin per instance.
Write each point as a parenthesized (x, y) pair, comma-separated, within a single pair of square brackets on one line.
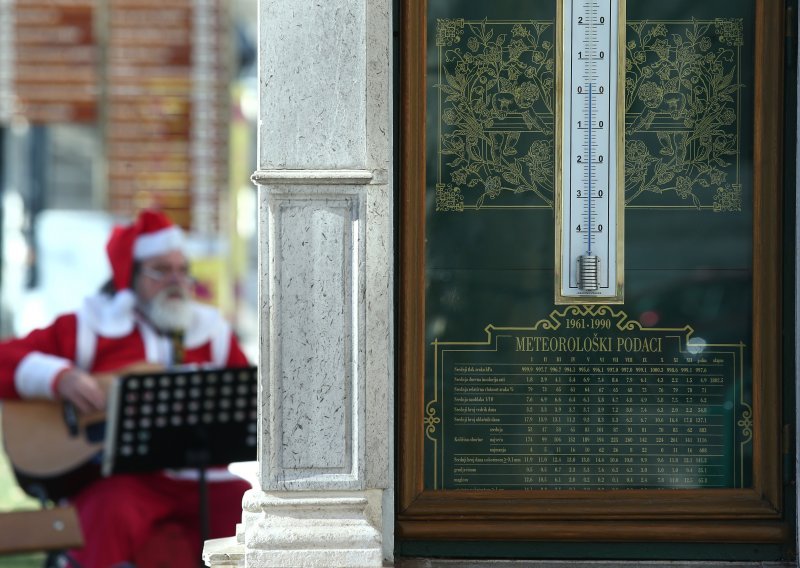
[(588, 270)]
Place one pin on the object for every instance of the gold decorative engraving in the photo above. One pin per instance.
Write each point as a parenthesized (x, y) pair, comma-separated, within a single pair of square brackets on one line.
[(449, 198), (728, 199), (622, 323), (431, 420), (496, 114), (448, 31), (730, 31), (683, 114), (496, 103), (746, 423)]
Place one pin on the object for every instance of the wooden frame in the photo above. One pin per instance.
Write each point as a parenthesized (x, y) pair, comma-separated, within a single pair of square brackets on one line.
[(753, 515)]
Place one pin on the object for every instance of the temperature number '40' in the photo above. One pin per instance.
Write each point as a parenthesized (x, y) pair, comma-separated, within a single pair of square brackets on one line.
[(599, 229)]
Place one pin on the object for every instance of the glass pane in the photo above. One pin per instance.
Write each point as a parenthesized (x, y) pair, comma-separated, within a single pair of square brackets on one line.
[(654, 393)]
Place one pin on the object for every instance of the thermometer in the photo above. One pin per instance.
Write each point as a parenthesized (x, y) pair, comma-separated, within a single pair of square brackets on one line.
[(590, 184)]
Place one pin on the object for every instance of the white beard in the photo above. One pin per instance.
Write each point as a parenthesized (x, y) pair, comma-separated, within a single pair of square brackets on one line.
[(168, 314)]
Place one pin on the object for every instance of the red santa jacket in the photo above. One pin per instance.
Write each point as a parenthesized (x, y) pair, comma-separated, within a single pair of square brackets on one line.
[(105, 335)]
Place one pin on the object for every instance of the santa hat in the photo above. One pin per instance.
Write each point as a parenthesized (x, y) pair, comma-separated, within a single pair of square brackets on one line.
[(151, 234)]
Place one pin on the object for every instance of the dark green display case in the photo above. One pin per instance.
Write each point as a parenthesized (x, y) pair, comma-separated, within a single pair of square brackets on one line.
[(654, 419)]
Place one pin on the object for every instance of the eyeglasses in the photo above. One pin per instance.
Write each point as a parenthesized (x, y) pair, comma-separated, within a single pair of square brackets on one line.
[(180, 275)]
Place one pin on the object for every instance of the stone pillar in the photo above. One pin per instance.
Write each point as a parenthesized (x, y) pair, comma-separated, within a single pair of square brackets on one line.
[(326, 294)]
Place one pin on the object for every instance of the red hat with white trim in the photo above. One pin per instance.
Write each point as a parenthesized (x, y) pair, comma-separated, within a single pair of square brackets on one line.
[(151, 234)]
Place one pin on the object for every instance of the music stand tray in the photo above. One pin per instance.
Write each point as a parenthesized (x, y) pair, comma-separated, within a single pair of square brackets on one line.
[(193, 418)]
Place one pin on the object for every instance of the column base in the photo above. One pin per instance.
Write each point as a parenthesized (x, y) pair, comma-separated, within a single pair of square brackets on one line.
[(309, 529), (224, 553), (305, 558)]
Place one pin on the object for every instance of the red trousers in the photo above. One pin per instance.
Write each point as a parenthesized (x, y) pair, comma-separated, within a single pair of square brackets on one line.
[(152, 520)]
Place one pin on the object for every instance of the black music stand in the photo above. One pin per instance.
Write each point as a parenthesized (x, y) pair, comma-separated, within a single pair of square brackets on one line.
[(186, 418)]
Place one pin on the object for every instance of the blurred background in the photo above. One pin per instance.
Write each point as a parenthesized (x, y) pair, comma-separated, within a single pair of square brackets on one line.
[(106, 107)]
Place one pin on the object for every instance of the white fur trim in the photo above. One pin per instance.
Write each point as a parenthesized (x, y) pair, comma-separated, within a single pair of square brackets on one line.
[(159, 242), (114, 317), (109, 316), (208, 325), (221, 345), (156, 348), (35, 374), (85, 345)]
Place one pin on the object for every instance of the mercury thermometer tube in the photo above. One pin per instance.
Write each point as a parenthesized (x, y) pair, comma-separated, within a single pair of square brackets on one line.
[(590, 178)]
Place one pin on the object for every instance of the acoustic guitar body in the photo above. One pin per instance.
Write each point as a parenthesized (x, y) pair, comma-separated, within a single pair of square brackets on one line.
[(42, 450), (44, 453)]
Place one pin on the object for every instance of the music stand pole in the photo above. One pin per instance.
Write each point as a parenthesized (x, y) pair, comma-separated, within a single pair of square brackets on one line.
[(200, 460), (203, 482)]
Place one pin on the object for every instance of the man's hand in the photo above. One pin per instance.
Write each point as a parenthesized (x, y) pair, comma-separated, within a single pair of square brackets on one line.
[(81, 390)]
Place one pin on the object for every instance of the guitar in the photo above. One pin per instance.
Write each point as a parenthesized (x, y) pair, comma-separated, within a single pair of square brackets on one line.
[(51, 446)]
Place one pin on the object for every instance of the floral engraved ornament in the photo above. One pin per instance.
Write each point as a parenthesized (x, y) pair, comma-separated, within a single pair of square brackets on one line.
[(682, 104), (496, 94), (496, 109)]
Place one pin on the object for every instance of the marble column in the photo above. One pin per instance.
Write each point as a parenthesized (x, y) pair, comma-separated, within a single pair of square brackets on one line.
[(326, 293)]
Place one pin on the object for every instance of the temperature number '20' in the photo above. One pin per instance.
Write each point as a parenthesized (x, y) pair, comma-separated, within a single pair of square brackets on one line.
[(602, 20)]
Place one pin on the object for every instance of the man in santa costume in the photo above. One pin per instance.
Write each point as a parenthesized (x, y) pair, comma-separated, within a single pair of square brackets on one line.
[(134, 319)]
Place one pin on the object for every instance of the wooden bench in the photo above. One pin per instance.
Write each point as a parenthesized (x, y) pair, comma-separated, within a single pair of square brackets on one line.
[(56, 528)]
